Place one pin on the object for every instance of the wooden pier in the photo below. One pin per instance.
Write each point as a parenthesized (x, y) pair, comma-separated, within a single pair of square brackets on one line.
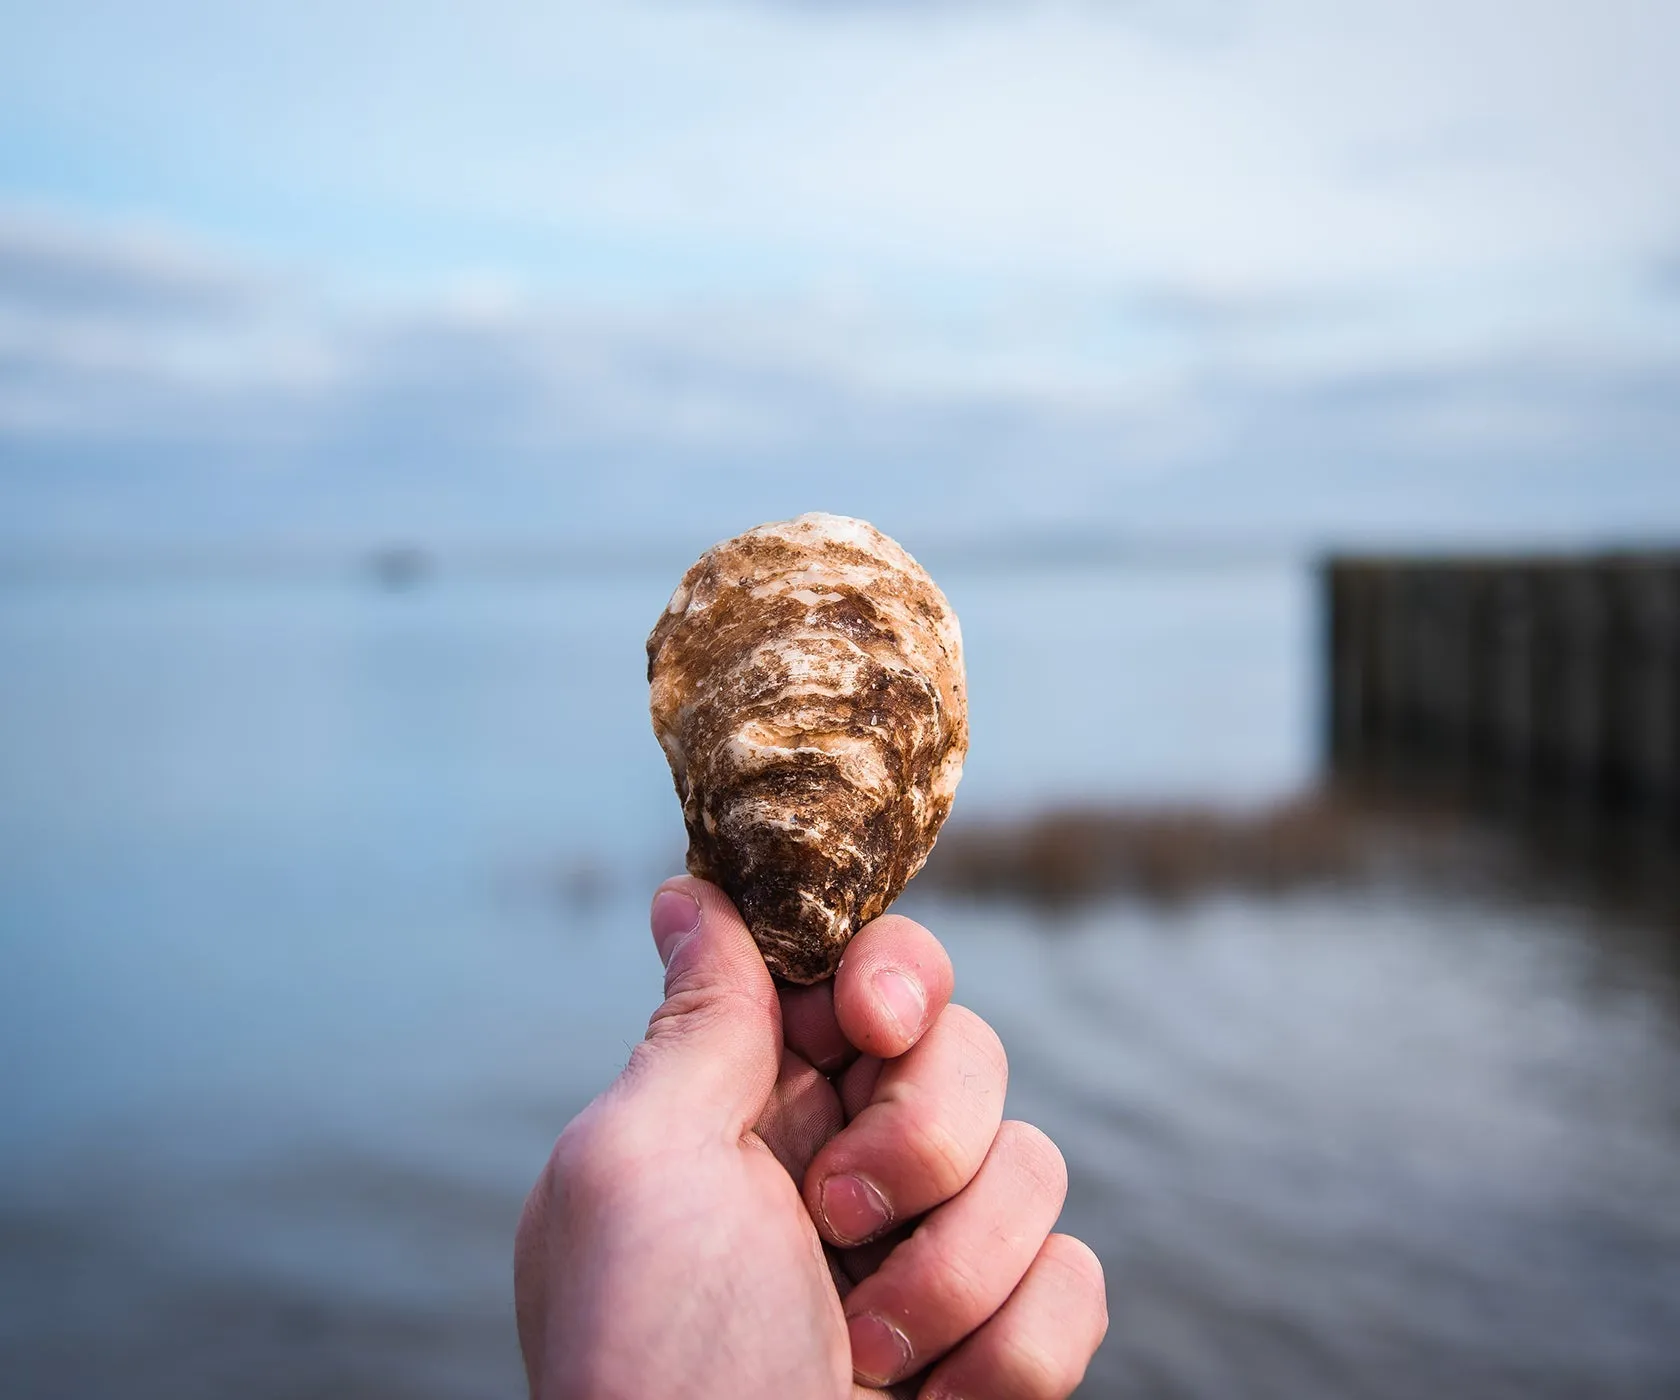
[(1529, 684)]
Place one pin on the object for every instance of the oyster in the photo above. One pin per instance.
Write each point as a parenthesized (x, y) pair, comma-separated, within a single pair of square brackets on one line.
[(806, 684)]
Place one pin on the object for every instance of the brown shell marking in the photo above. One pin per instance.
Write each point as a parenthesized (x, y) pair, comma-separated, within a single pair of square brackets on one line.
[(806, 684)]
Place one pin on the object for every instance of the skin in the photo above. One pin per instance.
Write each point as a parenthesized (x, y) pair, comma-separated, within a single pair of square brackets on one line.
[(808, 1194)]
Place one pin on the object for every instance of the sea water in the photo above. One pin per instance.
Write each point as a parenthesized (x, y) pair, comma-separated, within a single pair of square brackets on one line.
[(323, 907)]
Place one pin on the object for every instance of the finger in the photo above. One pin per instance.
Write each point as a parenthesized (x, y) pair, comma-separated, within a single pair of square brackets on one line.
[(893, 982), (857, 1085), (1038, 1344), (962, 1262), (862, 1260), (803, 1113), (809, 1027), (922, 1137), (714, 1045)]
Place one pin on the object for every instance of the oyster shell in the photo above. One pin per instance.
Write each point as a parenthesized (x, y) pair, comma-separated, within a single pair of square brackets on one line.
[(806, 684)]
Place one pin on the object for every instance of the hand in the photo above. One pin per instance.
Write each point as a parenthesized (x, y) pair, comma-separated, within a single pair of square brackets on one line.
[(666, 1249)]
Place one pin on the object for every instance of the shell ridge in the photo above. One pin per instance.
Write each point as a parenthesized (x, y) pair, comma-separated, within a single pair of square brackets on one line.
[(809, 696)]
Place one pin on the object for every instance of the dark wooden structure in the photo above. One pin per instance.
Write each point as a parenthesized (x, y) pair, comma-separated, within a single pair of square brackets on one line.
[(1528, 683)]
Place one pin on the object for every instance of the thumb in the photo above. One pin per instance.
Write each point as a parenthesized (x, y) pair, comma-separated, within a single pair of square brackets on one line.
[(714, 1045)]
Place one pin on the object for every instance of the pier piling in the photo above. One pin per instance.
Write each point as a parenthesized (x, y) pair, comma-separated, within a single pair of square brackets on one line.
[(1530, 682)]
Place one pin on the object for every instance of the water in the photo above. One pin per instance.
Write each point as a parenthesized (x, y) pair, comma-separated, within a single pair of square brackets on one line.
[(322, 909)]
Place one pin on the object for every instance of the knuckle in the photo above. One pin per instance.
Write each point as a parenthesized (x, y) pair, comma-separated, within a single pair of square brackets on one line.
[(682, 1005), (966, 1292), (1083, 1272), (1036, 1157), (1036, 1369), (940, 1155), (688, 1004), (1077, 1258), (980, 1042)]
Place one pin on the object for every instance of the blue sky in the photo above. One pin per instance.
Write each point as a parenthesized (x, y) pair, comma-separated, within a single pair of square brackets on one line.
[(1300, 271)]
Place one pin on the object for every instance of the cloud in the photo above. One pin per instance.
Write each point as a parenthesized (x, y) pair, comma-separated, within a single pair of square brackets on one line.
[(55, 266), (672, 147), (163, 391), (137, 334), (1297, 269), (1665, 274), (1175, 21)]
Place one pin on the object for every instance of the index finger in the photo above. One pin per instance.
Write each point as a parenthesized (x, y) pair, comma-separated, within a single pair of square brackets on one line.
[(892, 983)]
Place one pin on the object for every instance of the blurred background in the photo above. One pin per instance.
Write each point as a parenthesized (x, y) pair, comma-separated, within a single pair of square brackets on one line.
[(368, 375)]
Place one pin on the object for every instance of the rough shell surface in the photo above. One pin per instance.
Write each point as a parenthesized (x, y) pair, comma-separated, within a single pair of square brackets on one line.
[(806, 684)]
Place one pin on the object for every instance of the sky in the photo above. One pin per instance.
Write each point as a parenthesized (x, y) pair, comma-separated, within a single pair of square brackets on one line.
[(1301, 272)]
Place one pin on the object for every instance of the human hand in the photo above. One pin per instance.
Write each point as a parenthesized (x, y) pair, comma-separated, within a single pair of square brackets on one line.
[(666, 1249)]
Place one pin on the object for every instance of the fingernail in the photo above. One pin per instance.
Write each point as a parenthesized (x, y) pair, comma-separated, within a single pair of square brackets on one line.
[(676, 914), (903, 998), (853, 1210), (880, 1352)]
